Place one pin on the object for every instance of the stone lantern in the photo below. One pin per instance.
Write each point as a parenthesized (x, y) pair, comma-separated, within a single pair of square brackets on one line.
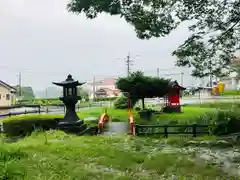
[(70, 98)]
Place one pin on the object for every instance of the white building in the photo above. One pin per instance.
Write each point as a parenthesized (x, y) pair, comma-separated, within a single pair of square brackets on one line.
[(105, 88), (7, 94), (231, 82)]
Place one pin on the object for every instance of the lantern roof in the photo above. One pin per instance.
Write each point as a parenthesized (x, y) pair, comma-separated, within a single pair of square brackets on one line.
[(69, 82)]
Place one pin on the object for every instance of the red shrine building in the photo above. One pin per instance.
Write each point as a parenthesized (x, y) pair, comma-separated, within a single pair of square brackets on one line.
[(172, 98)]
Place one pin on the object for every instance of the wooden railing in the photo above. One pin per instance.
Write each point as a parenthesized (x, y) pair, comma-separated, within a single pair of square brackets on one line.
[(141, 130), (20, 113), (131, 122), (102, 120)]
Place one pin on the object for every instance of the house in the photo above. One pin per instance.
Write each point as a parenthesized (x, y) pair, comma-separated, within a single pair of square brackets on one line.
[(104, 88), (232, 82), (7, 94)]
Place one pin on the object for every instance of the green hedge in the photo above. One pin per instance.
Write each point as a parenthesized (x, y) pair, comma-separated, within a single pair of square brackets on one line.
[(23, 125)]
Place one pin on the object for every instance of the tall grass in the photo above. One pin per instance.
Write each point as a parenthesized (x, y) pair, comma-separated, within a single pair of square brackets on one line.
[(57, 156)]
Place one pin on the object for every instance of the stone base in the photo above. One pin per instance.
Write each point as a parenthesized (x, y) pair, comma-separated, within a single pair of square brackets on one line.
[(70, 124), (72, 127), (172, 109)]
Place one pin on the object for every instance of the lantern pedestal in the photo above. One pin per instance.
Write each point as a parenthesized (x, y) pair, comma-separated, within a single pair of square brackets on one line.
[(71, 123), (70, 103)]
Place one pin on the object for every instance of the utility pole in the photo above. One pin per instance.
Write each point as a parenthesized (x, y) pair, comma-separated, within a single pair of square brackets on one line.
[(94, 84), (129, 63), (182, 78), (158, 72), (211, 75), (20, 84), (46, 93)]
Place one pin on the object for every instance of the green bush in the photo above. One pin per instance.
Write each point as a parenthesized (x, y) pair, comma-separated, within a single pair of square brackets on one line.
[(223, 122), (138, 109), (23, 125), (121, 103)]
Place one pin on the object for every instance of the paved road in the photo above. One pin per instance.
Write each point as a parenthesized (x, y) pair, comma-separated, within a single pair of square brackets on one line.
[(195, 100)]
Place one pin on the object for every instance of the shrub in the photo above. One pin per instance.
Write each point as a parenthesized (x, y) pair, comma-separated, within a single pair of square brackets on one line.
[(121, 102), (146, 114), (224, 122), (137, 108), (25, 124)]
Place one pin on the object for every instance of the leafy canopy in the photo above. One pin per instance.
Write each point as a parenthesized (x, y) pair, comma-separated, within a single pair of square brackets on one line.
[(215, 27), (140, 86), (27, 92)]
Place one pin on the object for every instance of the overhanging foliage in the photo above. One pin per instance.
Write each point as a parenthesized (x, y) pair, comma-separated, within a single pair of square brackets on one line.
[(215, 27)]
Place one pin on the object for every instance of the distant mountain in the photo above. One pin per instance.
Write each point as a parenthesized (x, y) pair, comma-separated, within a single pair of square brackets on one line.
[(56, 92)]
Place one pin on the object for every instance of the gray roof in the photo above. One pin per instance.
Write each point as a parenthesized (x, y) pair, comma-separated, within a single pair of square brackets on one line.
[(7, 85)]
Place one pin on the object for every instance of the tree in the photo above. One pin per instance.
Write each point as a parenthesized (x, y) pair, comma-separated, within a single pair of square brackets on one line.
[(215, 26), (139, 86), (83, 93), (26, 92)]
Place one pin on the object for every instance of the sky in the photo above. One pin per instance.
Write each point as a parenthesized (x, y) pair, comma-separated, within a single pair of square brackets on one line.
[(45, 42)]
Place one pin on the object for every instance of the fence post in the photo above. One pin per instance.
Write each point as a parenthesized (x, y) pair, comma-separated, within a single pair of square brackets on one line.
[(165, 131), (9, 114), (25, 111), (136, 130), (194, 127)]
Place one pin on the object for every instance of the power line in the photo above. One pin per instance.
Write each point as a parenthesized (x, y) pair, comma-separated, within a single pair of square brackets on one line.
[(129, 63)]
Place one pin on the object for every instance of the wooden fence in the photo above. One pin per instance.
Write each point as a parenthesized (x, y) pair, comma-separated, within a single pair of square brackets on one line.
[(20, 113), (141, 130)]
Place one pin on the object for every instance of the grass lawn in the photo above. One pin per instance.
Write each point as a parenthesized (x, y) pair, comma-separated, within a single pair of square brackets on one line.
[(188, 114), (231, 93), (186, 117), (116, 115), (56, 156)]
